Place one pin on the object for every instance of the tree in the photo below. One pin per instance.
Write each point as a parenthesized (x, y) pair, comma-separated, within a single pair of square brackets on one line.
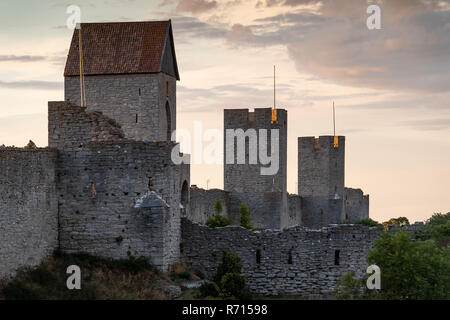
[(438, 228), (245, 216), (397, 222), (411, 269), (228, 282), (218, 206), (218, 220), (230, 263)]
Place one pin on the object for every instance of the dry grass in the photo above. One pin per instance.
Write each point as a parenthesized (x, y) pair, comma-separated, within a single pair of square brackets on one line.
[(102, 279)]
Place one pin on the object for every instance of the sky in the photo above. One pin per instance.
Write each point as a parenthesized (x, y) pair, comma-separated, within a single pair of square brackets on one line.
[(391, 86)]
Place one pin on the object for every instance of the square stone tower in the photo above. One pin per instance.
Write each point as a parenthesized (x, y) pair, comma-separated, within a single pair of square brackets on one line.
[(321, 175), (130, 74), (321, 167), (264, 194)]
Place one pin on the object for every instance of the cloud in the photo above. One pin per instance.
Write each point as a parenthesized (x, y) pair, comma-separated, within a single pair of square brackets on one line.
[(409, 53), (189, 27), (26, 58), (289, 3), (437, 124), (32, 84), (192, 6)]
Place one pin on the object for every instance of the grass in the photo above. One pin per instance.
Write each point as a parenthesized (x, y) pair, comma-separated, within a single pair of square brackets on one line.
[(101, 278)]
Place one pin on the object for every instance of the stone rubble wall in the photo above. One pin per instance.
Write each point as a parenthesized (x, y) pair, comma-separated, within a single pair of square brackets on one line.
[(356, 205), (28, 207), (296, 261), (202, 203)]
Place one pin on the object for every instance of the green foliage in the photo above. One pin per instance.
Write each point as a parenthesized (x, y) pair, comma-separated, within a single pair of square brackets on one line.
[(218, 221), (209, 289), (234, 285), (218, 206), (20, 290), (244, 216), (230, 263), (228, 282), (369, 223), (438, 219), (438, 228), (348, 287), (101, 278), (411, 269)]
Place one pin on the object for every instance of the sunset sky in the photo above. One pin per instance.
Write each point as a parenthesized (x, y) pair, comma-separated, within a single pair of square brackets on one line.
[(391, 86)]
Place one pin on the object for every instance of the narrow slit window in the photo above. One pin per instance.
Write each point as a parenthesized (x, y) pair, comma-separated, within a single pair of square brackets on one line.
[(290, 257), (137, 118), (258, 256), (336, 257)]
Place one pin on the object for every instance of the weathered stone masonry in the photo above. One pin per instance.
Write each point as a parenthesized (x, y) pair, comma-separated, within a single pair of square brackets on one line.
[(101, 175), (296, 261), (28, 207)]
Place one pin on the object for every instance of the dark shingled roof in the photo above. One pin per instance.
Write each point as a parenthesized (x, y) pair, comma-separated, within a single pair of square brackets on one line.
[(123, 48)]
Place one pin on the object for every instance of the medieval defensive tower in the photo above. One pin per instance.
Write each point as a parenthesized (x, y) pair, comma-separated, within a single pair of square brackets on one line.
[(130, 74), (321, 173), (264, 194)]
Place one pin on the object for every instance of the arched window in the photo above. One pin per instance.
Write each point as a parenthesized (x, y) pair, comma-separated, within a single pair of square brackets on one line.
[(169, 121)]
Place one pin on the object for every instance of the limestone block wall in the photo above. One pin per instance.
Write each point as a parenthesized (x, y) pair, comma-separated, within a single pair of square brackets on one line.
[(296, 261), (100, 177), (202, 203), (136, 101), (99, 184), (28, 207), (356, 205)]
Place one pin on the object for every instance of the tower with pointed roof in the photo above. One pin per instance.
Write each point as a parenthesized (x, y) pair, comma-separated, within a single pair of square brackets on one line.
[(130, 74)]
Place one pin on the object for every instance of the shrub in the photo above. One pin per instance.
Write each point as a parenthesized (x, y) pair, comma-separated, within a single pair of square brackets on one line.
[(209, 289), (230, 263), (217, 221), (397, 222), (370, 223), (245, 216), (235, 285), (185, 275), (19, 290), (348, 287), (228, 282), (101, 279), (42, 276), (218, 206)]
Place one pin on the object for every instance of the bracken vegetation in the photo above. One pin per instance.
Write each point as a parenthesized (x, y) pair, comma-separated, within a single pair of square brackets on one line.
[(100, 279)]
